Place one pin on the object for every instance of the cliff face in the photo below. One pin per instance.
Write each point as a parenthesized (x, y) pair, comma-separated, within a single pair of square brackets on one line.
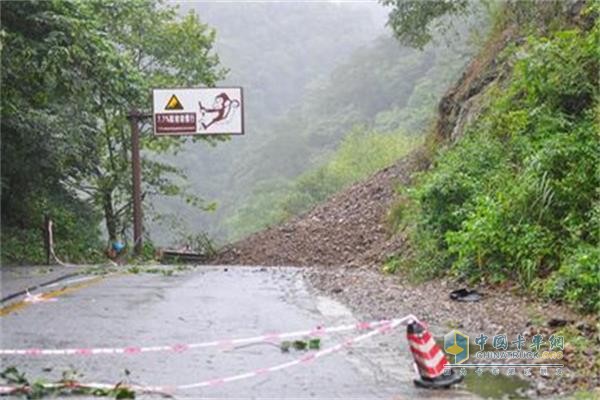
[(464, 101)]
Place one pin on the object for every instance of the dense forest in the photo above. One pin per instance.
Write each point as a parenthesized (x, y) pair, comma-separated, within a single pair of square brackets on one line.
[(71, 74)]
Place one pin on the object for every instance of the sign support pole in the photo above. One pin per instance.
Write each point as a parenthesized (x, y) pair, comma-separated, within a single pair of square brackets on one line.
[(136, 169)]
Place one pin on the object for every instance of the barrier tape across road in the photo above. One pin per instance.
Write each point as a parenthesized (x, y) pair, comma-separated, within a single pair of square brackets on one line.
[(381, 327), (180, 347)]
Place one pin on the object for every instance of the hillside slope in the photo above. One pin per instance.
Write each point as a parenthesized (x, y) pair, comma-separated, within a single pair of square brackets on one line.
[(350, 228)]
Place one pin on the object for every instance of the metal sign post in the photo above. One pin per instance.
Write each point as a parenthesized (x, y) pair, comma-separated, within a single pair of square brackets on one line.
[(136, 168)]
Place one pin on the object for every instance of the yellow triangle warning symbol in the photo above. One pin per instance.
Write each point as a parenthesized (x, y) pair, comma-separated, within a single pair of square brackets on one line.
[(174, 104)]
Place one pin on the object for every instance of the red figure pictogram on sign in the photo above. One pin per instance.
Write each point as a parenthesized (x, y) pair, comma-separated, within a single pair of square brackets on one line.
[(223, 109)]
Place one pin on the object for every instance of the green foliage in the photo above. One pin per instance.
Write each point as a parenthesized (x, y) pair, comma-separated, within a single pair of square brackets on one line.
[(156, 49), (65, 387), (578, 278), (74, 241), (47, 55), (300, 345), (416, 23), (518, 197), (392, 265), (200, 243), (134, 269), (412, 20), (148, 251), (20, 246)]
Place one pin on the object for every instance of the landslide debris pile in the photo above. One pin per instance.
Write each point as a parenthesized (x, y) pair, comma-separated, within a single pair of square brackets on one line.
[(349, 229)]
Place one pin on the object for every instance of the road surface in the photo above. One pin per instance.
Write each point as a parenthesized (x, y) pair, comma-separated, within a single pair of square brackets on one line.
[(209, 303)]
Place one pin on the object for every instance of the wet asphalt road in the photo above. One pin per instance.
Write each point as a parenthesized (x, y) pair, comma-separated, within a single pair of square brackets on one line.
[(209, 303)]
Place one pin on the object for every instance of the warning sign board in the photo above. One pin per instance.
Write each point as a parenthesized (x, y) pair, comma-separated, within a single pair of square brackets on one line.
[(198, 111)]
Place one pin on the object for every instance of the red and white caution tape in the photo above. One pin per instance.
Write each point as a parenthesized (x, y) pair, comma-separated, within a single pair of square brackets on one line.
[(37, 298), (383, 327), (180, 347)]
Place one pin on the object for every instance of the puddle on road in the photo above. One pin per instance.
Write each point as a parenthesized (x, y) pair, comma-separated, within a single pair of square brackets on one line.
[(490, 386), (496, 387)]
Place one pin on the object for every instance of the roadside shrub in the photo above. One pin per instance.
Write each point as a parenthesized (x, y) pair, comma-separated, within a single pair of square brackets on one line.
[(496, 243), (460, 174), (22, 245), (578, 279)]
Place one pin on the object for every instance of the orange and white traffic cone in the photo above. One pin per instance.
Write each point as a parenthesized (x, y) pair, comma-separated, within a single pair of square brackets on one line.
[(429, 359)]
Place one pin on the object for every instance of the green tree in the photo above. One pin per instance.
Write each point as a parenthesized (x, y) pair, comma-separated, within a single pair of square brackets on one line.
[(414, 21), (49, 51), (157, 50)]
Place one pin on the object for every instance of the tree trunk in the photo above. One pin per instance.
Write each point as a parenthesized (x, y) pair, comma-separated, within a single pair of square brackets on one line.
[(109, 216)]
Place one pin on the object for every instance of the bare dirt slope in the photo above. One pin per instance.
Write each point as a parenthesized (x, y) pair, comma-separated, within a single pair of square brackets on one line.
[(349, 229)]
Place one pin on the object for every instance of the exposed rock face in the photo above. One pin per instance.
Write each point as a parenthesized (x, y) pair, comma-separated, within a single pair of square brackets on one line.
[(464, 100)]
